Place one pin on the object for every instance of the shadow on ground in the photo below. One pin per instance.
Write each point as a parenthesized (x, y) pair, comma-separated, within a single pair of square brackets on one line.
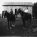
[(17, 31)]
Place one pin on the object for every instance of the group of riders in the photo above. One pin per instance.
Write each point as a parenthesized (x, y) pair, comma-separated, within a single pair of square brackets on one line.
[(12, 17)]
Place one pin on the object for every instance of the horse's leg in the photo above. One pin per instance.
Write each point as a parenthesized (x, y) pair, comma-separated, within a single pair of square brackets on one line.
[(30, 25), (2, 15), (29, 28), (30, 19), (8, 25), (23, 22), (11, 24)]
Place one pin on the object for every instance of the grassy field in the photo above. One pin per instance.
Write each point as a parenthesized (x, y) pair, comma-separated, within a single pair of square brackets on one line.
[(17, 31)]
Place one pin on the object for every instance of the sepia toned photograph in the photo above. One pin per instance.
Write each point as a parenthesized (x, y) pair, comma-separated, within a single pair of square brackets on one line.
[(18, 19)]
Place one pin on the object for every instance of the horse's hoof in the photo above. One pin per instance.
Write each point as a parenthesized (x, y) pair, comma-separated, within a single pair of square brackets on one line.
[(13, 25), (10, 27)]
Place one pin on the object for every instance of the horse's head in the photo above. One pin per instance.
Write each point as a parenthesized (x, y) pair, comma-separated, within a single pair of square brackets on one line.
[(6, 13), (20, 11)]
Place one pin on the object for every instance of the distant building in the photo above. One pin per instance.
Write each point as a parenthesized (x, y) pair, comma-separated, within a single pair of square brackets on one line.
[(25, 6)]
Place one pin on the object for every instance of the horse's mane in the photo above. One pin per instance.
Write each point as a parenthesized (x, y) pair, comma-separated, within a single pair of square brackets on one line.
[(7, 14)]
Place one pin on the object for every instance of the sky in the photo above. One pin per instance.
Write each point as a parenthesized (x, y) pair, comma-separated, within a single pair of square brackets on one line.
[(2, 1)]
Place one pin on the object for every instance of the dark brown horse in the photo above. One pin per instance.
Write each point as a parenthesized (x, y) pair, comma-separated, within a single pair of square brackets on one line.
[(25, 17), (10, 18)]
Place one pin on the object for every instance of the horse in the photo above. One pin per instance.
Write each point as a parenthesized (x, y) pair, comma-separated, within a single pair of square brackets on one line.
[(10, 18), (16, 12), (25, 17), (3, 12)]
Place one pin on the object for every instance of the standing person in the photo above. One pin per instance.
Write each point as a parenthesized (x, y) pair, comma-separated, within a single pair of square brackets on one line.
[(3, 14), (16, 12), (11, 12), (12, 16)]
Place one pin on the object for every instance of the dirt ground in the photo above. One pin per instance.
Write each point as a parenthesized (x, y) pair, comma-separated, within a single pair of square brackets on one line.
[(17, 31)]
